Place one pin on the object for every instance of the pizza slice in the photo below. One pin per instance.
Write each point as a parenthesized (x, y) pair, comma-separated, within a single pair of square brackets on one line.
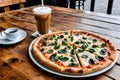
[(91, 62)]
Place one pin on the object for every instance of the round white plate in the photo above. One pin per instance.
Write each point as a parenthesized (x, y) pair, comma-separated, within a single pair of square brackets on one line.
[(23, 34), (67, 75)]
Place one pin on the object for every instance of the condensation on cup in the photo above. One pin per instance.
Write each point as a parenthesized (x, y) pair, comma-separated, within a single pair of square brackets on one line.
[(43, 17)]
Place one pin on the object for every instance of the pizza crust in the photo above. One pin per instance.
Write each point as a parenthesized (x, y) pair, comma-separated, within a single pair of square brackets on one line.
[(98, 67)]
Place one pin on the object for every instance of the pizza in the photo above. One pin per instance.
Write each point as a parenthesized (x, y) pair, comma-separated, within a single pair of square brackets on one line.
[(75, 52)]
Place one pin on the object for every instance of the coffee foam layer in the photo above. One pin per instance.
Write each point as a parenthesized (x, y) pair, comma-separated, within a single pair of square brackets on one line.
[(42, 10)]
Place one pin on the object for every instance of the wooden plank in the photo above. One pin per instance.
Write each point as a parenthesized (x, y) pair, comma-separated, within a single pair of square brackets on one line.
[(101, 77), (9, 73), (90, 21), (78, 20), (19, 23), (114, 72), (10, 2)]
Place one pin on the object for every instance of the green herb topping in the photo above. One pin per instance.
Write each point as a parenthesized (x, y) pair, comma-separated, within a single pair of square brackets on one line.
[(103, 45), (54, 57), (64, 59), (94, 40), (99, 58), (62, 51), (84, 56), (45, 39), (95, 46), (77, 42), (61, 36), (84, 38), (44, 43), (42, 49), (91, 61), (71, 39), (56, 46), (80, 50), (50, 51), (103, 51), (73, 52), (91, 50), (64, 43), (73, 64)]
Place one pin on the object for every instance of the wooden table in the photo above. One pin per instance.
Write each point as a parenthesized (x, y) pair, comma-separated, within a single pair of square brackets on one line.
[(15, 63)]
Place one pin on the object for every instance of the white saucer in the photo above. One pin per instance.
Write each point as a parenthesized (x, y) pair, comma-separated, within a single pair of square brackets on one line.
[(23, 34)]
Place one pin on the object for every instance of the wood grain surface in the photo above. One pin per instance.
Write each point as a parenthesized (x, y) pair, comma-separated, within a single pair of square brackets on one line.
[(15, 63)]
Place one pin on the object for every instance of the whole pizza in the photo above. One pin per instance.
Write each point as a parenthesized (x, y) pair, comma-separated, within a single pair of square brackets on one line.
[(74, 52)]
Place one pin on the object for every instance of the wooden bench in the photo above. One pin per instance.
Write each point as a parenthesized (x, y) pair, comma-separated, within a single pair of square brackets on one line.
[(7, 3)]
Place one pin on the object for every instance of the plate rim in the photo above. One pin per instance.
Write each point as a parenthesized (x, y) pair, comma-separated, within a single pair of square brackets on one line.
[(67, 75), (19, 38)]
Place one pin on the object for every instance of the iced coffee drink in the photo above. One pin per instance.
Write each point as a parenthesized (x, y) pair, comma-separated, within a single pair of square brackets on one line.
[(43, 17)]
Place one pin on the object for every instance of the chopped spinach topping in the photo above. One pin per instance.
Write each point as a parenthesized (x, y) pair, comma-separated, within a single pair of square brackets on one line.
[(71, 39), (83, 42), (56, 46), (54, 57), (72, 64), (89, 42), (72, 59), (64, 59), (91, 61), (103, 51), (50, 51), (73, 52), (61, 36), (45, 39), (91, 50), (80, 50), (84, 38), (62, 51), (42, 49), (64, 43), (94, 40), (99, 58), (84, 56), (58, 37), (68, 47), (52, 37), (84, 46), (56, 42), (51, 44), (103, 45), (77, 42), (44, 43), (95, 46), (65, 40)]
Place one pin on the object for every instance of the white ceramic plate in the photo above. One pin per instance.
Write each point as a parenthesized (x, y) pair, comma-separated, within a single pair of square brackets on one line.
[(67, 75), (23, 34)]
